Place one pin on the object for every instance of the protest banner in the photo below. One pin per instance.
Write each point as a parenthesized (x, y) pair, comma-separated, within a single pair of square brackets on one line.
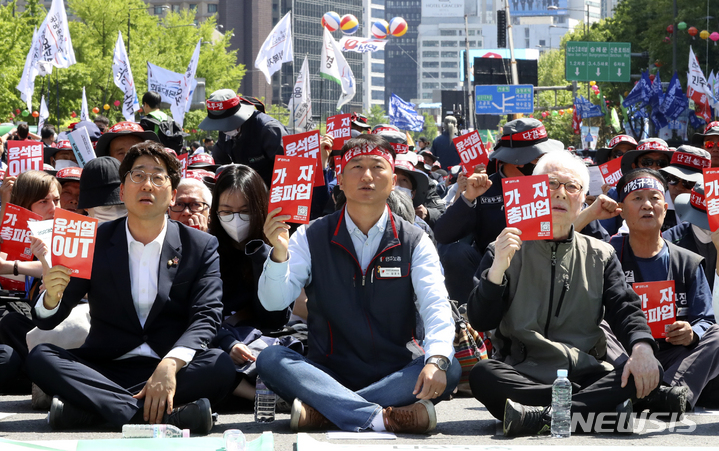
[(15, 232), (183, 164), (292, 181), (81, 146), (23, 156), (471, 151), (43, 231), (338, 164), (658, 304), (711, 193), (611, 171), (339, 128), (306, 145), (73, 242), (527, 206)]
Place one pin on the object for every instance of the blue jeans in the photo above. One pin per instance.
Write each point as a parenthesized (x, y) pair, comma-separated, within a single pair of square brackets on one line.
[(291, 375)]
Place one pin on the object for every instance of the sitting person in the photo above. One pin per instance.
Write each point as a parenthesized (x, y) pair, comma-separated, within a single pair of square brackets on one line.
[(545, 299), (147, 351), (192, 204), (367, 273), (688, 353)]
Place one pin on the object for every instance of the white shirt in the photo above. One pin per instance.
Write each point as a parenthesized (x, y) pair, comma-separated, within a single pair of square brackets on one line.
[(280, 283), (144, 261)]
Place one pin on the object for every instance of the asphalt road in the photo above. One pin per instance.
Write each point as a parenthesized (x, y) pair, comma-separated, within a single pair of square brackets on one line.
[(462, 421)]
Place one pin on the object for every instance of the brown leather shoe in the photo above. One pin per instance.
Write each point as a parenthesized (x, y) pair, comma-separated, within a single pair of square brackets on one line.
[(418, 418), (306, 418)]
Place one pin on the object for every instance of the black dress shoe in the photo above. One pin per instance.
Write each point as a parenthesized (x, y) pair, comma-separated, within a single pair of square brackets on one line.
[(195, 416), (521, 420), (66, 416), (666, 401)]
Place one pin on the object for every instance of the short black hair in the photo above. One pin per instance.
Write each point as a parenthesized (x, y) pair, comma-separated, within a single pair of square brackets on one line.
[(209, 138), (23, 130), (152, 99), (154, 150), (640, 172), (48, 131), (366, 138), (195, 144)]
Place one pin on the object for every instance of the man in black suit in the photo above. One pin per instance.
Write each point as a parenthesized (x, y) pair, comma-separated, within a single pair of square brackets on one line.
[(155, 303)]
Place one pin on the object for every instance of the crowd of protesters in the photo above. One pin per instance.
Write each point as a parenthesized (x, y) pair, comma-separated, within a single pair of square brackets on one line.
[(197, 288)]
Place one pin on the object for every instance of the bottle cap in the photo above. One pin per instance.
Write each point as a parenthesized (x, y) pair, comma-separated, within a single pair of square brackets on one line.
[(561, 373), (185, 433)]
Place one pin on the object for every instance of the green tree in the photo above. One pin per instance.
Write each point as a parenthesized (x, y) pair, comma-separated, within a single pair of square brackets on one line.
[(429, 130), (281, 113), (376, 115)]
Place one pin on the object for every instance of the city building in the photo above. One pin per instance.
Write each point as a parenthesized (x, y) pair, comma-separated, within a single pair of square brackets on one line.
[(373, 64), (401, 64)]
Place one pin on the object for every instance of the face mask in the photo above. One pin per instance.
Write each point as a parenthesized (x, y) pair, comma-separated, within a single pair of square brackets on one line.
[(404, 190), (62, 164), (109, 213), (238, 228), (704, 236), (527, 169), (232, 133)]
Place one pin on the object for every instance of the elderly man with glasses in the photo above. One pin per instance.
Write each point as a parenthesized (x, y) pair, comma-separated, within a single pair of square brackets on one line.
[(192, 204)]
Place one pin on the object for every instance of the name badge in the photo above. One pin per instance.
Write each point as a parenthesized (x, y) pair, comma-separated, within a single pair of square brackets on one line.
[(390, 272), (682, 311)]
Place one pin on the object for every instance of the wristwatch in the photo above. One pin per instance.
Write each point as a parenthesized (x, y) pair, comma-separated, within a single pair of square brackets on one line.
[(441, 362)]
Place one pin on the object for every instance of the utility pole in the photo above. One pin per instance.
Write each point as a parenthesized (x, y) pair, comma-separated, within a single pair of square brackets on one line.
[(510, 37), (469, 111)]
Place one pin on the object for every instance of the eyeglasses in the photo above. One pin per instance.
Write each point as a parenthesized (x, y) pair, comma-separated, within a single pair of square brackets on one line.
[(571, 187), (157, 178), (228, 216), (195, 207), (648, 162), (672, 180), (617, 154)]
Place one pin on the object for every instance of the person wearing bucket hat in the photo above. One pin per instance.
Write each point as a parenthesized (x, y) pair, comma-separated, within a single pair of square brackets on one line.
[(69, 178), (100, 189), (685, 169), (247, 135), (709, 141), (120, 137), (60, 155), (689, 344), (618, 146), (359, 123), (650, 153), (202, 161)]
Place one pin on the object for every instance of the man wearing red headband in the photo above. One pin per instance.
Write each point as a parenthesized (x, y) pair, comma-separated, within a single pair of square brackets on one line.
[(367, 273)]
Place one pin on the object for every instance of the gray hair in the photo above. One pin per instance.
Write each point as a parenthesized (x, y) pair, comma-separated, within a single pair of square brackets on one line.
[(196, 184), (401, 205), (563, 160)]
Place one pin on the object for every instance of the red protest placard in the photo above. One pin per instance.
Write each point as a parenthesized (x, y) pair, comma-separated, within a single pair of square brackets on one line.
[(527, 206), (711, 193), (471, 151), (306, 145), (292, 181), (658, 304), (183, 164), (23, 156), (73, 242), (15, 233), (339, 128), (611, 171), (338, 164)]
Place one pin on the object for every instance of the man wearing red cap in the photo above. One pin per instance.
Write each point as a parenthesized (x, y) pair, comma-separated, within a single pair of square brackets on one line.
[(120, 137)]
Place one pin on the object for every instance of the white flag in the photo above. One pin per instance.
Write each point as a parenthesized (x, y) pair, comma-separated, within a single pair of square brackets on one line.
[(333, 66), (697, 88), (29, 72), (55, 37), (165, 82), (84, 114), (183, 100), (277, 48), (300, 103), (123, 79), (44, 115)]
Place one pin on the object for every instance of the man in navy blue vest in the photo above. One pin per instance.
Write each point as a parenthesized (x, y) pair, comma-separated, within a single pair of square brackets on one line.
[(367, 273)]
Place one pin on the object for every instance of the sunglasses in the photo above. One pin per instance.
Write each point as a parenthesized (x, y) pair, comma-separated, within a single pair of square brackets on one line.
[(617, 154), (672, 180), (710, 145), (648, 162)]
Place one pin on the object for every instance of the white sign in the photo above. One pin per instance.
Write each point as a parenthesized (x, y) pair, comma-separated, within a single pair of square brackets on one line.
[(277, 48), (81, 146), (442, 8), (43, 231)]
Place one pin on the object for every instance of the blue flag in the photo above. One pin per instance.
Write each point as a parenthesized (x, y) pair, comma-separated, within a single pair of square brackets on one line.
[(640, 93), (657, 93), (586, 109), (658, 118), (403, 115), (697, 122), (675, 101)]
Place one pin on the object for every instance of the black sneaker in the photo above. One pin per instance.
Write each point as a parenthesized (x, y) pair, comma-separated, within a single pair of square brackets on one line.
[(195, 416), (66, 416), (666, 401), (522, 420), (625, 420)]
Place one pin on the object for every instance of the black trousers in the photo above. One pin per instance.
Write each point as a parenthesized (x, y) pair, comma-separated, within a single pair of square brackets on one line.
[(10, 366), (106, 387), (493, 382), (13, 330)]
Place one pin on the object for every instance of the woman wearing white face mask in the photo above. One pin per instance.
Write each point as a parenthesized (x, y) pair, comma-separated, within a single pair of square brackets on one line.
[(237, 217)]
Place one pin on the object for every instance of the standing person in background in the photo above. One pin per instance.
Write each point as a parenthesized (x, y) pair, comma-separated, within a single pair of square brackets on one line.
[(443, 146)]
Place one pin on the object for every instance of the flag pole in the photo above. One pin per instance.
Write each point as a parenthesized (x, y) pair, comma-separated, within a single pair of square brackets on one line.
[(57, 100)]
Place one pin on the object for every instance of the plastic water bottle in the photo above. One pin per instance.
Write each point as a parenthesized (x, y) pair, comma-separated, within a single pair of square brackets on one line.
[(264, 403), (561, 406), (153, 431)]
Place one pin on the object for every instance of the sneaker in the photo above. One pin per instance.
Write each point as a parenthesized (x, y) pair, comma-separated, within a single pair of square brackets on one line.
[(417, 418), (625, 422), (282, 406), (195, 416), (66, 416), (666, 400), (306, 418), (522, 420), (40, 400)]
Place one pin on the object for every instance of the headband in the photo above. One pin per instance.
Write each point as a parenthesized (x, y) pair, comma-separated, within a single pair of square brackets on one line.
[(526, 138), (366, 149), (227, 107), (400, 148), (691, 161), (641, 183), (698, 201)]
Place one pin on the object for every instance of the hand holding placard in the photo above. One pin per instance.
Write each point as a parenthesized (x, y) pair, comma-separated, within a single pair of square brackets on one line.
[(73, 242), (527, 206)]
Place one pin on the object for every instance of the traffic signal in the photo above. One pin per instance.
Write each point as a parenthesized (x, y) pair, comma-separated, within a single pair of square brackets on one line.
[(501, 28)]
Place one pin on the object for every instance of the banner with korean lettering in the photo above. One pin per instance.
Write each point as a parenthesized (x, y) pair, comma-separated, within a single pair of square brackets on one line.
[(658, 304), (338, 126), (23, 156), (306, 145), (15, 232), (471, 151), (183, 164), (338, 164), (611, 171), (292, 182), (527, 206), (73, 242), (711, 191), (362, 45)]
